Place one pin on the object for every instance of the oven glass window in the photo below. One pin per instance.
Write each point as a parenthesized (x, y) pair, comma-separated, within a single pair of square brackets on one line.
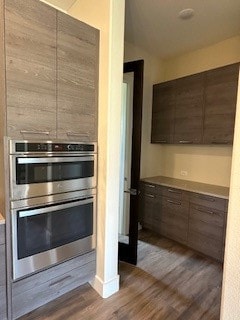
[(49, 172), (46, 231)]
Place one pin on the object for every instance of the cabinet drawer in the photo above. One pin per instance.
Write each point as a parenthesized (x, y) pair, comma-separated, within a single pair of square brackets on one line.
[(208, 201), (36, 290), (2, 234), (3, 303), (172, 193), (208, 246), (177, 208), (207, 215), (174, 230), (150, 188), (2, 266)]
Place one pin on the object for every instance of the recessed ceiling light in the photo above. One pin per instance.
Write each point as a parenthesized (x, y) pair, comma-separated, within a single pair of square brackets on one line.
[(186, 14)]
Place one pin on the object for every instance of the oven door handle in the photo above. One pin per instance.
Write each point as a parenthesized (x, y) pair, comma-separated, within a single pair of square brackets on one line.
[(34, 212), (54, 159)]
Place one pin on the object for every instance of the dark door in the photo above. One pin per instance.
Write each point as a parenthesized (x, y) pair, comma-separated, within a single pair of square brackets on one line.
[(128, 251)]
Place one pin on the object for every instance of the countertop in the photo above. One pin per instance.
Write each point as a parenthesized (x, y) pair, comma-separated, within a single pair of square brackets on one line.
[(2, 220), (203, 188)]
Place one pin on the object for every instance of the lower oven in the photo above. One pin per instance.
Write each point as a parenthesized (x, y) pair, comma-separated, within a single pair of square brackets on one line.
[(48, 230)]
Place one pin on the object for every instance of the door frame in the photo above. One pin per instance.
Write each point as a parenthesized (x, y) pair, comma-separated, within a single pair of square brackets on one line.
[(128, 252)]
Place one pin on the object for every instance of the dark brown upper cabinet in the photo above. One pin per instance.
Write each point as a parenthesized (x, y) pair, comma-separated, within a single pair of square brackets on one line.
[(220, 104), (188, 119), (163, 112), (197, 109)]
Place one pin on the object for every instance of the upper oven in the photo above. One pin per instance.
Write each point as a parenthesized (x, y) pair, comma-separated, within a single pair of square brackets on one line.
[(43, 168)]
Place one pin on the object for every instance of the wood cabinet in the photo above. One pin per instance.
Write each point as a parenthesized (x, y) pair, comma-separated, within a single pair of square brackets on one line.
[(193, 219), (163, 112), (51, 73), (77, 79), (207, 225), (198, 109), (220, 104), (3, 300), (30, 41), (188, 116), (40, 288)]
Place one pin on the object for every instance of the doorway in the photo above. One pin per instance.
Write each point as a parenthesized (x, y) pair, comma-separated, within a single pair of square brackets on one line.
[(130, 159)]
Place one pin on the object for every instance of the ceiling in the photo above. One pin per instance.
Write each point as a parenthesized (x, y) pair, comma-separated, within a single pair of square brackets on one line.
[(155, 26)]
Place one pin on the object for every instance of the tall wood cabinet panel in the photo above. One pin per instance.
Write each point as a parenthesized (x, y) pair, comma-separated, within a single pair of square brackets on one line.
[(77, 78), (30, 40), (188, 117), (163, 112), (220, 104)]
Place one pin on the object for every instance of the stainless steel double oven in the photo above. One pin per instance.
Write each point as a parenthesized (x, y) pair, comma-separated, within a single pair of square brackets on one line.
[(53, 202)]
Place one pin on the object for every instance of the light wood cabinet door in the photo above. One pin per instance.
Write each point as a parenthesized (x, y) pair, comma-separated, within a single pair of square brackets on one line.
[(30, 39), (220, 104), (188, 116), (77, 79), (163, 112)]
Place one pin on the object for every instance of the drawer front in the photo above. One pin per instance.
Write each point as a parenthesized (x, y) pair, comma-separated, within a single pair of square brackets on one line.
[(2, 234), (207, 215), (2, 266), (150, 188), (208, 201), (36, 290), (150, 208), (209, 230), (208, 246), (172, 193), (176, 208), (3, 303)]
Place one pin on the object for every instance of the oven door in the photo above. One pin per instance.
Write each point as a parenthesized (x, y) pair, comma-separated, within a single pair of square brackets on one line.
[(43, 235), (33, 176)]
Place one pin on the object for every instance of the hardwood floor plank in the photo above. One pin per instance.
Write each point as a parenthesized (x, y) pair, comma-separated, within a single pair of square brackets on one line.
[(170, 282)]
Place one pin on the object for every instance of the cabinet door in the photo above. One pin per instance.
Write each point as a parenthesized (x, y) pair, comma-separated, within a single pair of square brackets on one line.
[(77, 79), (30, 35), (188, 122), (163, 112), (220, 104)]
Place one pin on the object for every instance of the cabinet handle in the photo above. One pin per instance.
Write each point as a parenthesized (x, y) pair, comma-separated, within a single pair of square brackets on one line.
[(76, 134), (150, 186), (204, 211), (174, 191), (221, 142), (34, 132), (174, 202), (161, 141), (185, 141), (149, 195), (59, 281)]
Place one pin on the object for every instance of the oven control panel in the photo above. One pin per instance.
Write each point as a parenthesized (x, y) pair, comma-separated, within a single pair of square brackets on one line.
[(43, 147)]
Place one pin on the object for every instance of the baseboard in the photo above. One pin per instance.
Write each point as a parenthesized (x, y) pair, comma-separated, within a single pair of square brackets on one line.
[(105, 289)]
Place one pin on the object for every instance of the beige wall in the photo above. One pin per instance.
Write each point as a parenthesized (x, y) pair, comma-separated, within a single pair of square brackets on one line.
[(209, 164)]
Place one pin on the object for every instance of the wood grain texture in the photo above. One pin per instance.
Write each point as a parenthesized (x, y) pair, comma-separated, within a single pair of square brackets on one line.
[(30, 39), (3, 293), (77, 83), (2, 234), (188, 116), (47, 285), (170, 282), (163, 112), (220, 104)]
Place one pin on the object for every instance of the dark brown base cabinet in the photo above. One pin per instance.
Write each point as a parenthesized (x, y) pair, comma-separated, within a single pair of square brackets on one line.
[(197, 109), (193, 219), (3, 300)]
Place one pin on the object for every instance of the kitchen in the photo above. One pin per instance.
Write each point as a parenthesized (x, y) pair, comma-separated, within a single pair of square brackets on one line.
[(107, 232)]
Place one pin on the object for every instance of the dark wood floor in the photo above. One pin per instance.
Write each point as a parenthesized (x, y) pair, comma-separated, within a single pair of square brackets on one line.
[(170, 282)]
